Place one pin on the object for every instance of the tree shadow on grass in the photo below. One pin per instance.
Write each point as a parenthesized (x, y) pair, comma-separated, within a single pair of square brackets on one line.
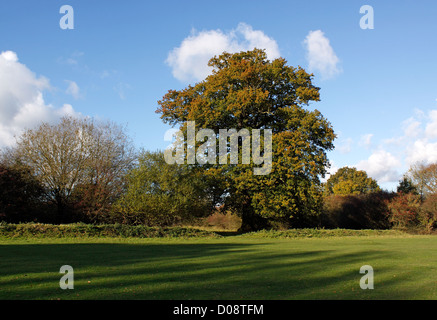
[(187, 271)]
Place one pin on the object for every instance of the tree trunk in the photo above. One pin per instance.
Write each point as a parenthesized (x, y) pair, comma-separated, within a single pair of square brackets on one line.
[(251, 221), (60, 213)]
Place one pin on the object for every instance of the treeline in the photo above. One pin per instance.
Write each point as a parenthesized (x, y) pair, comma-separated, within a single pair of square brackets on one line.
[(82, 170), (354, 201), (86, 171)]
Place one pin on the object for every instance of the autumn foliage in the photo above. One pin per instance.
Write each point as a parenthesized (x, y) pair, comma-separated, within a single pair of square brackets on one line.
[(247, 91)]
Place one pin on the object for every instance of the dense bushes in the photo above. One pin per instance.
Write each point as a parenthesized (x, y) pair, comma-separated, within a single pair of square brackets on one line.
[(428, 213), (381, 210), (407, 211), (361, 211), (20, 195)]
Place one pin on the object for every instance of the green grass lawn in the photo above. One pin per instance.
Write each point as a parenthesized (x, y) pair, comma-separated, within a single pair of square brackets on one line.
[(234, 267)]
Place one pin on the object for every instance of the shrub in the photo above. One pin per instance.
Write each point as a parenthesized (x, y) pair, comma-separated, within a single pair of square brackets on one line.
[(404, 210), (223, 221)]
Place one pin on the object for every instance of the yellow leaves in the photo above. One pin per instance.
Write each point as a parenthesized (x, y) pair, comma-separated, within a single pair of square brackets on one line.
[(351, 181)]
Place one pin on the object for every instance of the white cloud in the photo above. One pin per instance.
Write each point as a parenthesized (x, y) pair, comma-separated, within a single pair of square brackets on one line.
[(21, 99), (431, 128), (417, 144), (421, 150), (393, 156), (366, 140), (121, 89), (72, 60), (345, 145), (73, 89), (189, 61), (381, 166), (412, 128), (320, 55), (420, 137)]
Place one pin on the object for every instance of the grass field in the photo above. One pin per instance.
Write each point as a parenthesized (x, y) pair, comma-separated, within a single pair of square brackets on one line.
[(233, 267)]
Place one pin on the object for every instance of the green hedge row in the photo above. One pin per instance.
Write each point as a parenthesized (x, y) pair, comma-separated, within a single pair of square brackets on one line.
[(321, 233), (39, 230)]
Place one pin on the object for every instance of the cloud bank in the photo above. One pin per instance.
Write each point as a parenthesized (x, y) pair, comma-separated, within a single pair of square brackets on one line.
[(394, 156), (382, 166), (21, 99)]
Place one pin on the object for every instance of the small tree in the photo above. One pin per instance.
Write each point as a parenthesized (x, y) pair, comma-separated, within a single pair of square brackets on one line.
[(162, 194), (348, 181), (424, 178), (111, 156), (406, 185)]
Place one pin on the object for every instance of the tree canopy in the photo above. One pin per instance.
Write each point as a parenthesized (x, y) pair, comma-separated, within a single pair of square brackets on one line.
[(248, 91)]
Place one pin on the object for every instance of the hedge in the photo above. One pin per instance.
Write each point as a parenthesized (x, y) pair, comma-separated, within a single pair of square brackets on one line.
[(39, 230), (321, 233)]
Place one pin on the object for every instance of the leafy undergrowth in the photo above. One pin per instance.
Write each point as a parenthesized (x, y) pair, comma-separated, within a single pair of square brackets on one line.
[(38, 230), (322, 233)]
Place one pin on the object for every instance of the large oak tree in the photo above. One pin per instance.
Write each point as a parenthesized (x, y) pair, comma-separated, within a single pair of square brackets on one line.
[(248, 91)]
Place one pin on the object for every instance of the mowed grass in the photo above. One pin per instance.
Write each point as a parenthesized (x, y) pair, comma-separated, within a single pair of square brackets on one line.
[(234, 267)]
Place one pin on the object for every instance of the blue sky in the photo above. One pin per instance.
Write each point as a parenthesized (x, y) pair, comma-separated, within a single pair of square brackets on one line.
[(378, 86)]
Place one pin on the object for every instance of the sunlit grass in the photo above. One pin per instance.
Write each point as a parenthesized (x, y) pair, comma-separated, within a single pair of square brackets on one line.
[(235, 267)]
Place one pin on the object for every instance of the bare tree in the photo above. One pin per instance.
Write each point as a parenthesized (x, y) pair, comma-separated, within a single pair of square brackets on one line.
[(111, 156), (424, 177), (75, 153)]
